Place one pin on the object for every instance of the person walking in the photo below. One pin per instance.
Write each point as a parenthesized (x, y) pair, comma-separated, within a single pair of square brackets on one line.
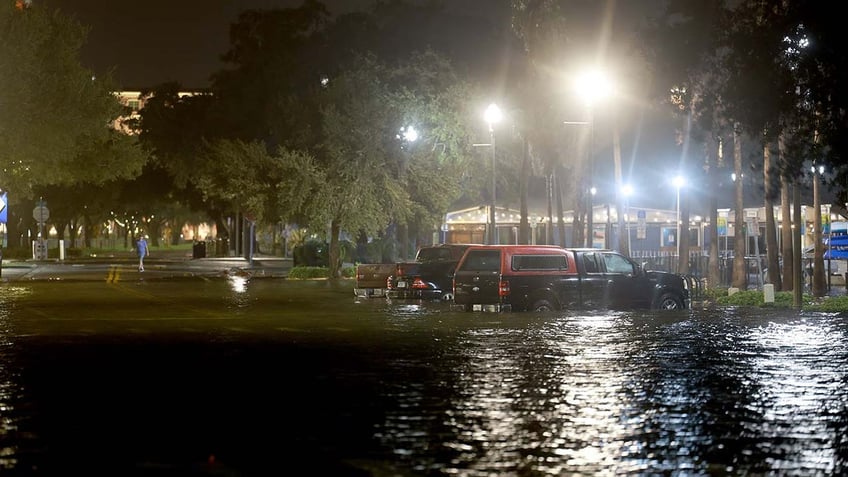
[(143, 251)]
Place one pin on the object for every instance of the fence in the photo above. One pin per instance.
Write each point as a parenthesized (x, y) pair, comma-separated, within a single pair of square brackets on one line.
[(756, 267)]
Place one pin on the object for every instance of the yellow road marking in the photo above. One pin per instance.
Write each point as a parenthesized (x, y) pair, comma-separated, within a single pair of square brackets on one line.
[(114, 274)]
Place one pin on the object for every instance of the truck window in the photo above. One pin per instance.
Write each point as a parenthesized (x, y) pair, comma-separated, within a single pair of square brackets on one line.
[(482, 261), (590, 262), (433, 254), (539, 262), (617, 264)]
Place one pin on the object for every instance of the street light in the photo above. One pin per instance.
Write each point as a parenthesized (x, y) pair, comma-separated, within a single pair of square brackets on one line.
[(678, 181), (492, 115)]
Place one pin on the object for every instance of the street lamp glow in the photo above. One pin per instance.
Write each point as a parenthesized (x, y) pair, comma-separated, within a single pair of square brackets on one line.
[(493, 115), (409, 134), (627, 190), (593, 86), (678, 181)]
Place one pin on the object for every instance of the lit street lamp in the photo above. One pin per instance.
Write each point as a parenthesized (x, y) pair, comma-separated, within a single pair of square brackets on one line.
[(492, 116)]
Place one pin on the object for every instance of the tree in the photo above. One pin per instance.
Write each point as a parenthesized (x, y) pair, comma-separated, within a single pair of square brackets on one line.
[(55, 126)]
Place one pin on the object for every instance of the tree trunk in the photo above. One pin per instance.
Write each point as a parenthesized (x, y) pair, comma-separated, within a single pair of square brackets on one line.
[(786, 220), (403, 241), (623, 237), (683, 235), (560, 211), (524, 225), (549, 239), (797, 277), (771, 228), (713, 276), (740, 274), (87, 230), (786, 236), (334, 254)]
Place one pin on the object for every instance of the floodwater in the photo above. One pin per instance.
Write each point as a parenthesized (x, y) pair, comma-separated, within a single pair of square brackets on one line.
[(276, 377)]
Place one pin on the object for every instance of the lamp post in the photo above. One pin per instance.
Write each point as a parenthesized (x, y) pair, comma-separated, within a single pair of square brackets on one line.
[(819, 285), (408, 134), (626, 192), (594, 86), (493, 115), (678, 182)]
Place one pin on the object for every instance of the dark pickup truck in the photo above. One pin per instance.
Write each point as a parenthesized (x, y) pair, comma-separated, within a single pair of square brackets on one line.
[(546, 277), (430, 276)]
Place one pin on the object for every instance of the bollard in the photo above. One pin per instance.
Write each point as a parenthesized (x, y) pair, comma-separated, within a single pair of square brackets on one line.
[(768, 293), (731, 291)]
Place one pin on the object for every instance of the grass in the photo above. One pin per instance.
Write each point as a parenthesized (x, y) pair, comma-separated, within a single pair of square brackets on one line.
[(755, 298)]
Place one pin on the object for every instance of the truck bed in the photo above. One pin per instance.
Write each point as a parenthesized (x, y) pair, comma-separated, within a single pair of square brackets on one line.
[(370, 279)]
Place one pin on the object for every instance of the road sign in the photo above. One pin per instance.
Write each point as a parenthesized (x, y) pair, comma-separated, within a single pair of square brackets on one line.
[(41, 213), (4, 211)]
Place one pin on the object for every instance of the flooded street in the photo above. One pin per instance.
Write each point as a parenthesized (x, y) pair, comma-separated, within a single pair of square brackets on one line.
[(276, 377)]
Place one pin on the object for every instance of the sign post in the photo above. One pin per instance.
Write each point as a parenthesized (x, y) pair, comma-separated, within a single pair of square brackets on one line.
[(39, 247)]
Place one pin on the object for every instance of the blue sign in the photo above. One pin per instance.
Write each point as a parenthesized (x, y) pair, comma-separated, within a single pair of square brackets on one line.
[(4, 209)]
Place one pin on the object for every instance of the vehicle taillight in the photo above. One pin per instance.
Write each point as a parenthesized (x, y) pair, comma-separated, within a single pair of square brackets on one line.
[(418, 283), (389, 282), (503, 288)]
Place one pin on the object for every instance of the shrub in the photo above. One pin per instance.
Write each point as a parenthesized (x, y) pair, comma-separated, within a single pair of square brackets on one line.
[(755, 298), (742, 298), (313, 253), (833, 304), (17, 253), (302, 273)]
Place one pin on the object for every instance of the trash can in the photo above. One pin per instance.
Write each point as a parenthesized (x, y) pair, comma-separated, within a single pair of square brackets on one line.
[(198, 250)]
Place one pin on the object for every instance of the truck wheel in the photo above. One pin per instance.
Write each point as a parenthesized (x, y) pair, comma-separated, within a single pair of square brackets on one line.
[(542, 305), (669, 301)]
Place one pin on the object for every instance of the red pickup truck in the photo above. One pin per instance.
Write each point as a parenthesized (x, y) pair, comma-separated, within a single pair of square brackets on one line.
[(545, 277)]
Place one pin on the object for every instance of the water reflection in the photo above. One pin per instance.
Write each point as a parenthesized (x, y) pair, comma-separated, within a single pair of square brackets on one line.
[(9, 387), (695, 392)]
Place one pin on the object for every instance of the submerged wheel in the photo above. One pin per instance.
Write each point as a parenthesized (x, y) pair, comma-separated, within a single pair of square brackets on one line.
[(448, 296), (543, 305), (669, 301)]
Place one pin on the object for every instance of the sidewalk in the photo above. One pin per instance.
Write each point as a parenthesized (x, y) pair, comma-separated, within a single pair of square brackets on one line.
[(159, 265)]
